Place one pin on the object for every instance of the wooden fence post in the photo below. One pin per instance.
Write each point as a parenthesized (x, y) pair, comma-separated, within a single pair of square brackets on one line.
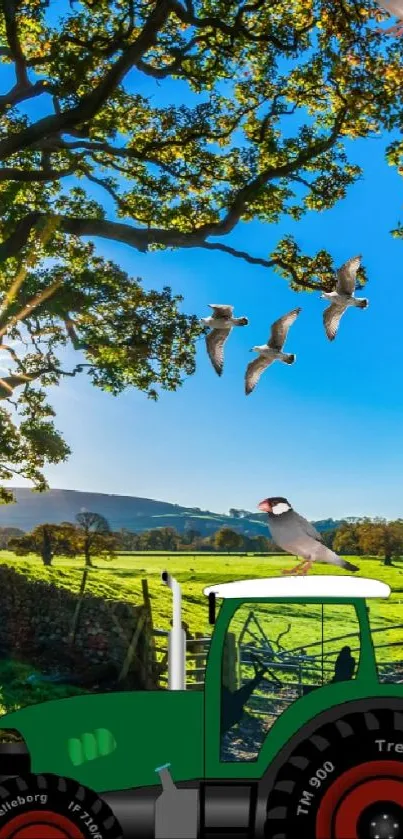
[(197, 646), (150, 656), (77, 610), (230, 662), (196, 653), (132, 646)]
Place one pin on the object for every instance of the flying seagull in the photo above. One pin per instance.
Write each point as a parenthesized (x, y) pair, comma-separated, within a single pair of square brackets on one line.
[(8, 383), (342, 297), (394, 7), (272, 351), (220, 323), (298, 536)]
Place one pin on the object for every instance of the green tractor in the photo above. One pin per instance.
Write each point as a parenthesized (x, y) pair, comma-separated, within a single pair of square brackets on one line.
[(298, 731)]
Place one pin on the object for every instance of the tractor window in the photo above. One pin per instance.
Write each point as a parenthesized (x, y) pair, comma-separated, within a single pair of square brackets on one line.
[(275, 654), (387, 638)]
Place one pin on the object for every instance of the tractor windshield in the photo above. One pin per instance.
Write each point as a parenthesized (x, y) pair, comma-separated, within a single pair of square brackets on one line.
[(275, 653)]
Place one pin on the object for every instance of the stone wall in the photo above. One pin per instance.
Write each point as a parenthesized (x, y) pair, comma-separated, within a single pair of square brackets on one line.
[(36, 619)]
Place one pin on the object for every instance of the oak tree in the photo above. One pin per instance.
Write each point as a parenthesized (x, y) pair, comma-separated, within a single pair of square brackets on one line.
[(260, 98), (382, 538), (93, 537), (47, 540), (226, 539)]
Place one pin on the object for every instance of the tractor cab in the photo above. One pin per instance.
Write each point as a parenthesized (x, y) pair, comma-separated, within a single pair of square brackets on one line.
[(282, 650)]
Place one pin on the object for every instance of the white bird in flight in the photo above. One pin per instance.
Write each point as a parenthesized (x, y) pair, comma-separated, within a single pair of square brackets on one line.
[(342, 297), (394, 7), (272, 351), (221, 324)]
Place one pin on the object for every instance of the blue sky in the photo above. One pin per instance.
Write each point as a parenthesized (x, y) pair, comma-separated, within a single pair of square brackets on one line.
[(326, 432)]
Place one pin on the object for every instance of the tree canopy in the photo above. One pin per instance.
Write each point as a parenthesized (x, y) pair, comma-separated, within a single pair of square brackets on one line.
[(260, 98), (372, 537), (93, 536), (90, 536), (48, 540)]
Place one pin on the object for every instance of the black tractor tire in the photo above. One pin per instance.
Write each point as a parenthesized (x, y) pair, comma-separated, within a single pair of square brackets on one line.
[(52, 807), (341, 777)]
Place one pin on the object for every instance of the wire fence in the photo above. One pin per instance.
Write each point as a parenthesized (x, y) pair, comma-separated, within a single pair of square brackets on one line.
[(289, 673)]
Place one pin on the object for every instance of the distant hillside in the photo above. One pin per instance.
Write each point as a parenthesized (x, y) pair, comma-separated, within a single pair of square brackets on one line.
[(125, 511)]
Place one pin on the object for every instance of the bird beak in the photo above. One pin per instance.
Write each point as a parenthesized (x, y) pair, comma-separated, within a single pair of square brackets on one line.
[(265, 506)]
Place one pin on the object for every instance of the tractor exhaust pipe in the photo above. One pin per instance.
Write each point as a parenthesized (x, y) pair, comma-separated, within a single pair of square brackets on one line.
[(176, 638)]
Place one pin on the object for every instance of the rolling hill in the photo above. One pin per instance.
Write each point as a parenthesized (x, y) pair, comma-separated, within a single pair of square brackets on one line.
[(124, 511)]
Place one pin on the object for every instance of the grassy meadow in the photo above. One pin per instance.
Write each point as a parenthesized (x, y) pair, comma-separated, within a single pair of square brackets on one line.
[(120, 579)]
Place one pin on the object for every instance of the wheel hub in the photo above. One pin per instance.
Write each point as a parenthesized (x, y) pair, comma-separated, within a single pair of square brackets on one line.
[(383, 820), (365, 802)]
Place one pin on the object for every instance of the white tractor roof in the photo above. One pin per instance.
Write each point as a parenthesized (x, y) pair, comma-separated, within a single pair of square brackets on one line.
[(323, 586)]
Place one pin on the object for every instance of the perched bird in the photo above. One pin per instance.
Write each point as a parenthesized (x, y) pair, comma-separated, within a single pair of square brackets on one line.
[(394, 7), (344, 666), (342, 297), (272, 351), (220, 323), (298, 536)]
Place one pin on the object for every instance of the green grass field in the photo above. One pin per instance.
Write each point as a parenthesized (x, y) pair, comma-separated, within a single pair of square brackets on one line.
[(120, 579)]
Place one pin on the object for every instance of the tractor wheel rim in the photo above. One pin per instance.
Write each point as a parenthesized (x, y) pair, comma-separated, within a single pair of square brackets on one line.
[(365, 802), (40, 824)]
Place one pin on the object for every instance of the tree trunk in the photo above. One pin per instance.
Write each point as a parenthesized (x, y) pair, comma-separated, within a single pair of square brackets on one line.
[(47, 553), (87, 554), (387, 549)]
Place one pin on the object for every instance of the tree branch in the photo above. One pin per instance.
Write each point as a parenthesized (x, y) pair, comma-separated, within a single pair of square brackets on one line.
[(309, 185), (71, 332), (9, 383), (141, 239), (9, 11), (23, 89), (105, 46), (21, 94), (92, 102), (30, 306), (11, 352), (251, 190), (238, 28), (266, 263), (174, 66), (19, 238), (117, 199), (34, 175)]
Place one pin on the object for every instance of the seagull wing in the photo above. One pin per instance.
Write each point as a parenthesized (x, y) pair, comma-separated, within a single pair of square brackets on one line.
[(221, 311), (346, 276), (394, 7), (254, 371), (308, 528), (10, 382), (5, 388), (279, 329), (215, 341), (331, 319)]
